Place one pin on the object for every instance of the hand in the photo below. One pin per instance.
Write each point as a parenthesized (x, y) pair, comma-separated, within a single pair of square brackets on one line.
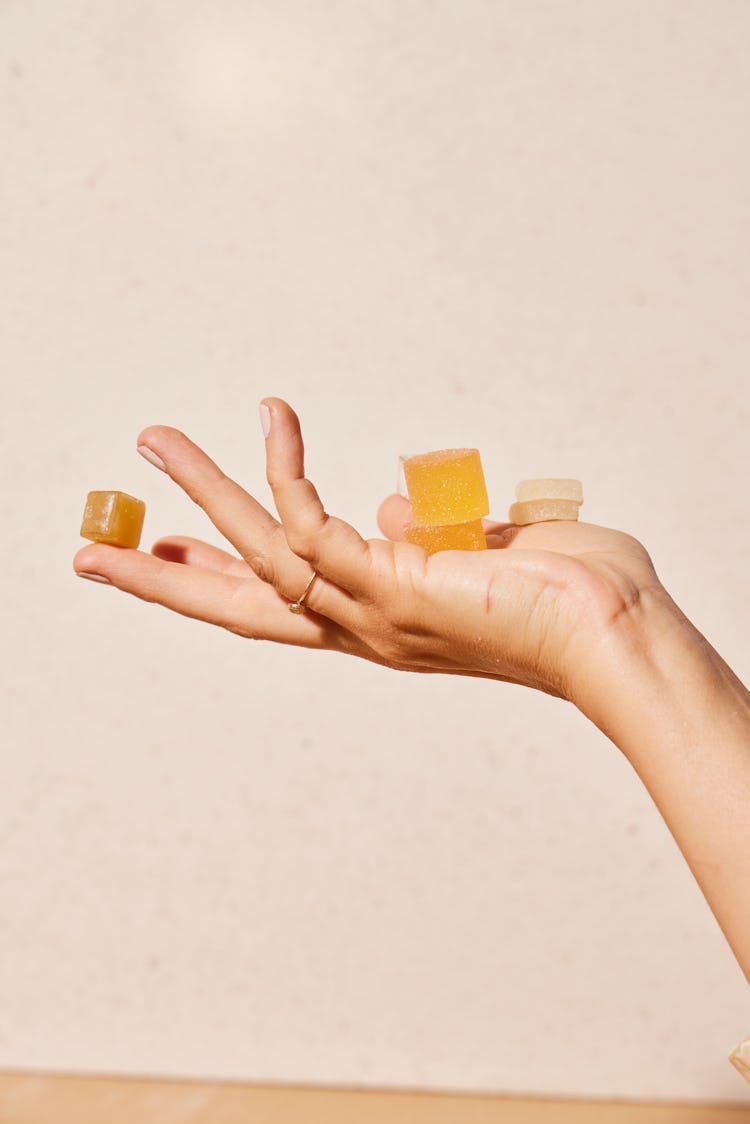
[(572, 609), (535, 608)]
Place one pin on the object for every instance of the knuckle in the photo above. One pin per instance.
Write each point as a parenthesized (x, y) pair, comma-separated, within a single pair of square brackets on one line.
[(274, 478), (262, 567), (261, 558), (302, 545), (304, 539)]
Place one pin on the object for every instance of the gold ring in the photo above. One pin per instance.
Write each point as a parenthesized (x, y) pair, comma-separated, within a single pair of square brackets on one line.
[(299, 606)]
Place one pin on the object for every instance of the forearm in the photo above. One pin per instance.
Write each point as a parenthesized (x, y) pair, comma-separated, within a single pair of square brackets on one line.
[(682, 718)]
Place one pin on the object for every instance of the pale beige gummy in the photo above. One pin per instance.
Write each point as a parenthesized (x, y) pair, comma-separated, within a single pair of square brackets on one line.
[(740, 1058), (539, 511), (549, 489)]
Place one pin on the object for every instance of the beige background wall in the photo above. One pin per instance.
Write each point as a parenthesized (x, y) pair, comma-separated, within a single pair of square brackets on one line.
[(524, 226)]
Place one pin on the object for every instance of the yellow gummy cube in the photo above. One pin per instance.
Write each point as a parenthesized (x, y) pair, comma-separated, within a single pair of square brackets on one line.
[(459, 536), (539, 511), (114, 518), (446, 487), (550, 489)]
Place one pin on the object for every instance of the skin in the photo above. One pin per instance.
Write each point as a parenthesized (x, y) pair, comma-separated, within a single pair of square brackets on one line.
[(568, 608)]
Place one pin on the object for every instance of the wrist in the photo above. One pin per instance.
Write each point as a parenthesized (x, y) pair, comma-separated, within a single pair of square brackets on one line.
[(653, 680)]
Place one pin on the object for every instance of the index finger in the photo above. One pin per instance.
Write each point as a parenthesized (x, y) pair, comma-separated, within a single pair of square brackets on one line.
[(239, 517)]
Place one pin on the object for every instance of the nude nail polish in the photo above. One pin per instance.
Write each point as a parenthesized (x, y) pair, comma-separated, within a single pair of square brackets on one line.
[(152, 457)]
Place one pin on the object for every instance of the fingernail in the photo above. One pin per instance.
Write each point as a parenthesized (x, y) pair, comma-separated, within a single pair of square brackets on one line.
[(152, 457), (265, 419), (93, 577)]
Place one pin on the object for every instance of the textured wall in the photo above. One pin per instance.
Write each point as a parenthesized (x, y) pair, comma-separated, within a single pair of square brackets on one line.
[(520, 226)]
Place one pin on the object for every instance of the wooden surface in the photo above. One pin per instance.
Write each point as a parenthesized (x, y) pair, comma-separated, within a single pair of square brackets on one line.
[(41, 1099)]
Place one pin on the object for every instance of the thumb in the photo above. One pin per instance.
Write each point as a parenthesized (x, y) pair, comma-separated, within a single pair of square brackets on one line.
[(393, 515)]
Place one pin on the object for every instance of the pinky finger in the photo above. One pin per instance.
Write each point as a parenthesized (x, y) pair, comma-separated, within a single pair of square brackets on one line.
[(244, 606)]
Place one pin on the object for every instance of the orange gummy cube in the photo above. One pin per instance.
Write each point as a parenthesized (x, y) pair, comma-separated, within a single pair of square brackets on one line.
[(114, 518), (446, 487), (458, 536)]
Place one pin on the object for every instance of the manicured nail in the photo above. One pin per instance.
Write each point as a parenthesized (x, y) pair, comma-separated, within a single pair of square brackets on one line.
[(265, 419), (94, 577), (152, 457)]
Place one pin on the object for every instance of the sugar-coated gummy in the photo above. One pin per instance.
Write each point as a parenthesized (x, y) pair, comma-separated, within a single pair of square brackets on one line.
[(540, 511), (446, 487), (549, 488), (457, 536), (114, 518)]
